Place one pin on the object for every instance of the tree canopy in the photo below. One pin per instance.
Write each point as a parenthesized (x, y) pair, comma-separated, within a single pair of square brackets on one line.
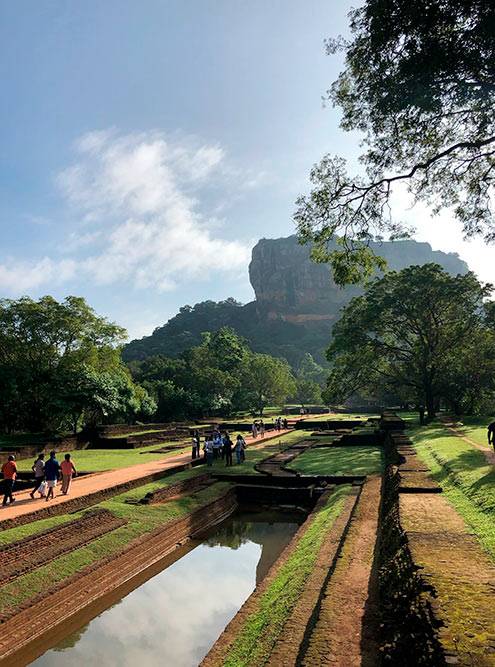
[(59, 361), (419, 82), (419, 333), (220, 376)]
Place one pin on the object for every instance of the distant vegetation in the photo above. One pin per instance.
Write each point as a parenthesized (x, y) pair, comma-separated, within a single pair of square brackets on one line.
[(60, 367), (223, 376)]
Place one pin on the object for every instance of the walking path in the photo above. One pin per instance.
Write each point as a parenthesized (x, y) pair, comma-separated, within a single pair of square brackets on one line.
[(489, 453), (84, 485)]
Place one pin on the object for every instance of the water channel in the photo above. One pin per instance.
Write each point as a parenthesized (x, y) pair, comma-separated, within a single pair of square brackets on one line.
[(175, 617)]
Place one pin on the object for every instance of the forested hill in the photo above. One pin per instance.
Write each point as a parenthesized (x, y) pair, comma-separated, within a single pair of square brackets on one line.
[(295, 307)]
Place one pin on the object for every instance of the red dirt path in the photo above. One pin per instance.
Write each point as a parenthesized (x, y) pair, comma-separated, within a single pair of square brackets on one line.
[(82, 486)]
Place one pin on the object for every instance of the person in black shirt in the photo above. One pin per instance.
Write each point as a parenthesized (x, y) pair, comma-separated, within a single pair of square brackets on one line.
[(227, 449), (491, 434)]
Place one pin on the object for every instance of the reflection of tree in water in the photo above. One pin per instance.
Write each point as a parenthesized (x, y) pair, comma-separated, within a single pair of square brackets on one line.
[(71, 640), (232, 534), (272, 531)]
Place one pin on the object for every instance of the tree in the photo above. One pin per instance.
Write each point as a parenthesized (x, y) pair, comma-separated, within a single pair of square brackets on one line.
[(307, 392), (309, 370), (469, 386), (409, 333), (269, 380), (60, 363), (419, 81)]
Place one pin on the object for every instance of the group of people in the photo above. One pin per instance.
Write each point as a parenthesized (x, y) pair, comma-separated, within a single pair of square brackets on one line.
[(218, 445), (46, 476), (258, 426)]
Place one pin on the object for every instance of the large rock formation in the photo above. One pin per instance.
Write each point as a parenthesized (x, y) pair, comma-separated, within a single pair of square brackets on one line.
[(296, 302)]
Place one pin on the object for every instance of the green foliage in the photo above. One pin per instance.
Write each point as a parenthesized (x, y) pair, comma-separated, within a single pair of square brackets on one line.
[(219, 376), (419, 333), (419, 83), (308, 392), (60, 364), (269, 381)]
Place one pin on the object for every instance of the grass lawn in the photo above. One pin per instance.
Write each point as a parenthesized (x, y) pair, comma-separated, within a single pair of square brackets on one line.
[(141, 519), (475, 428), (341, 416), (339, 461), (263, 627), (93, 460), (467, 479)]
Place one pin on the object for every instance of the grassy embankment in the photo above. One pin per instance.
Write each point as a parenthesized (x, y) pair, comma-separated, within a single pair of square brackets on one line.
[(264, 626), (141, 519), (466, 477), (476, 428), (350, 460), (253, 456)]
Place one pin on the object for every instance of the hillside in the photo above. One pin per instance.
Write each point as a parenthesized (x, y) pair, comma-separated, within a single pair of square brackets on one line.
[(296, 302)]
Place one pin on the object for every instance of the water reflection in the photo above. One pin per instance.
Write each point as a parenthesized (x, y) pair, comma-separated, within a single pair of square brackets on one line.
[(174, 618)]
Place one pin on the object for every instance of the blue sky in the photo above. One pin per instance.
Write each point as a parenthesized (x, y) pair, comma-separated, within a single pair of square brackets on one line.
[(146, 146)]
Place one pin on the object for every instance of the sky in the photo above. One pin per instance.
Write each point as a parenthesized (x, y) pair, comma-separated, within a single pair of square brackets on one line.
[(146, 147)]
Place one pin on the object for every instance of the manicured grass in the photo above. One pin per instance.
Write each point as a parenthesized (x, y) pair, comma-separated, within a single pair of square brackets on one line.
[(92, 460), (339, 461), (141, 519), (264, 626), (467, 479)]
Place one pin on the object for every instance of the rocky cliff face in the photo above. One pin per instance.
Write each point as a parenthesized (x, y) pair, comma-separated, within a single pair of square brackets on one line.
[(296, 303), (290, 286)]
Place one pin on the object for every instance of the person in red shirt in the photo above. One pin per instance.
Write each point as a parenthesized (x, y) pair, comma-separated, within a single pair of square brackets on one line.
[(9, 472), (68, 470)]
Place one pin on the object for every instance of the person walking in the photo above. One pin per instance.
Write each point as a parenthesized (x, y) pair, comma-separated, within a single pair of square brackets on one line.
[(52, 473), (240, 444), (68, 471), (217, 446), (197, 438), (254, 430), (227, 449), (38, 468), (208, 448), (9, 472), (262, 428), (491, 434)]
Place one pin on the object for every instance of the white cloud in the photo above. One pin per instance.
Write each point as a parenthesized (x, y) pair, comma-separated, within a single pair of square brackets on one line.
[(143, 189), (19, 277), (138, 202)]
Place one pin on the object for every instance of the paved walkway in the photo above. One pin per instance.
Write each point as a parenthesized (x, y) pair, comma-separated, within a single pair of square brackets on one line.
[(86, 484)]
